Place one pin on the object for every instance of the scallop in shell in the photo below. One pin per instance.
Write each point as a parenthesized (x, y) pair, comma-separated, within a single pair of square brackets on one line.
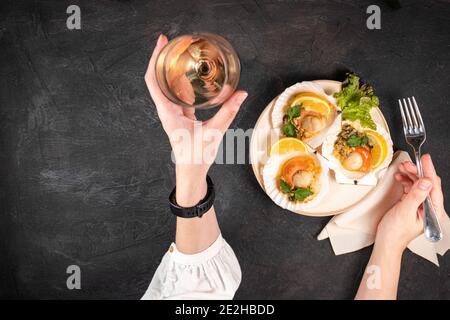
[(357, 153), (318, 112), (296, 181)]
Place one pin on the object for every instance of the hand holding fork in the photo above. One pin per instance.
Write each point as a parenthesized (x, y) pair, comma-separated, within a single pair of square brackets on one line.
[(415, 136)]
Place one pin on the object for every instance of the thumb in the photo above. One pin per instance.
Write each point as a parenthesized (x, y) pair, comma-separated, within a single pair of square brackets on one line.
[(417, 195), (226, 114), (150, 76)]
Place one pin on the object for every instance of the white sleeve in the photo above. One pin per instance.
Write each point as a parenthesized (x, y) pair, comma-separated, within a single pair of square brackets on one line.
[(211, 274)]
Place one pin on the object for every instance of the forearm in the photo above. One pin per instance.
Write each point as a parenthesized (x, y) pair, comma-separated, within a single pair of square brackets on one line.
[(194, 235), (380, 280)]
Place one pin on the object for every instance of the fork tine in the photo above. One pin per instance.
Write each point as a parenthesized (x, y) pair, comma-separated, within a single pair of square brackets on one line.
[(408, 116), (413, 116), (405, 125), (419, 116)]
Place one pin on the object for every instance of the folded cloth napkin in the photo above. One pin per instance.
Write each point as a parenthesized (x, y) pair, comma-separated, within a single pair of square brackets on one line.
[(356, 228)]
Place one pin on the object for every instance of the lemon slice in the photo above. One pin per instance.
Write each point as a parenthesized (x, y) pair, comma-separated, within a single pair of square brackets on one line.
[(379, 150), (286, 145), (312, 102)]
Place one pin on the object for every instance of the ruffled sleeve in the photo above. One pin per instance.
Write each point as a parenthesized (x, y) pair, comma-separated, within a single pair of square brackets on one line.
[(211, 274)]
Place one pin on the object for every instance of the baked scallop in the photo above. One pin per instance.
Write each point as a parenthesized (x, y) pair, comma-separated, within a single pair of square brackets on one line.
[(358, 153), (306, 112), (296, 181)]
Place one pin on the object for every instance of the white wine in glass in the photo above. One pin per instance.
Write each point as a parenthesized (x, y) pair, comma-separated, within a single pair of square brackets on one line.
[(200, 70)]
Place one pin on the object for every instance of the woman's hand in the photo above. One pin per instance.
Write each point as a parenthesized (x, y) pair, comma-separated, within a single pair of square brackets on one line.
[(404, 222), (193, 142), (399, 226)]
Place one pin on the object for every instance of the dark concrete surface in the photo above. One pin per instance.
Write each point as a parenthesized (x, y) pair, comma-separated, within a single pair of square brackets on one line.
[(85, 165)]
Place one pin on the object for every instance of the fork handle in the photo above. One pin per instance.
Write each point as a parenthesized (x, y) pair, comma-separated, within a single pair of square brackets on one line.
[(431, 226)]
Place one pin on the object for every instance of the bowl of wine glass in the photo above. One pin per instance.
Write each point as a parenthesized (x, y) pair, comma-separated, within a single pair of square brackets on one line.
[(199, 70)]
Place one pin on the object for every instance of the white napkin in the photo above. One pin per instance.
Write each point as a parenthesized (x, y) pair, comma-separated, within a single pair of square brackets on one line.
[(356, 228)]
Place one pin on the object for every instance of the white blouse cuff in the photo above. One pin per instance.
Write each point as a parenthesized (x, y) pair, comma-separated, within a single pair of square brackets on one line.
[(211, 274), (197, 258)]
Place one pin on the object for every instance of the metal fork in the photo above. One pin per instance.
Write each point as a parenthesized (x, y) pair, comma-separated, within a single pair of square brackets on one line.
[(415, 136)]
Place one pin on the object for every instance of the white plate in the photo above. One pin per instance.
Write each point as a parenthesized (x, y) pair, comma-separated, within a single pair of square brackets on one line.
[(341, 197)]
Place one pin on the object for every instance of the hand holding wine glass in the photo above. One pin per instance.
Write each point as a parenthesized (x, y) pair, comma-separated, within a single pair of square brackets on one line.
[(195, 234)]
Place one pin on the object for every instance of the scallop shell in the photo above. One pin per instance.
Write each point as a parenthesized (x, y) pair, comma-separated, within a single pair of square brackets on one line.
[(270, 174), (281, 105), (346, 176)]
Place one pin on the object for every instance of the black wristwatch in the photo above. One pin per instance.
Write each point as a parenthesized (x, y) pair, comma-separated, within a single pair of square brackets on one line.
[(196, 211)]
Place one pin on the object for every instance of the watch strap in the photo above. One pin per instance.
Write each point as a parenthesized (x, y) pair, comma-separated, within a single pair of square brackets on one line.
[(198, 210)]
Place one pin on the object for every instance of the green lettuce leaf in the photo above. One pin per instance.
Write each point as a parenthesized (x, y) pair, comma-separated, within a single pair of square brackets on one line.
[(356, 101)]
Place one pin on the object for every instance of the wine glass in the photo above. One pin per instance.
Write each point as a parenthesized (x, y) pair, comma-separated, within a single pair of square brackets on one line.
[(199, 70)]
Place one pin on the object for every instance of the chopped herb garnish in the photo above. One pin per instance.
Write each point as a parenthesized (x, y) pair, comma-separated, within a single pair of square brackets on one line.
[(302, 193), (285, 188), (357, 141), (289, 129), (294, 112), (295, 193)]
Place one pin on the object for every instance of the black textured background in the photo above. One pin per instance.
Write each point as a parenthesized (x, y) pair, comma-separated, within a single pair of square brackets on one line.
[(85, 165)]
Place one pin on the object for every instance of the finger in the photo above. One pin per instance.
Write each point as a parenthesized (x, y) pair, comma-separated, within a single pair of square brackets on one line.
[(428, 166), (406, 184), (420, 211), (189, 113), (182, 59), (405, 181), (417, 195), (163, 105), (150, 76), (430, 172), (184, 88), (401, 177), (409, 169), (226, 114)]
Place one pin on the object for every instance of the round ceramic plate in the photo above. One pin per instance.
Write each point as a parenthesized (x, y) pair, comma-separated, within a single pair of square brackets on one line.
[(341, 197)]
